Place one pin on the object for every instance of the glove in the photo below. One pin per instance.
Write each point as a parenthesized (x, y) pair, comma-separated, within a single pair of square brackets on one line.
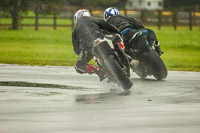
[(91, 69)]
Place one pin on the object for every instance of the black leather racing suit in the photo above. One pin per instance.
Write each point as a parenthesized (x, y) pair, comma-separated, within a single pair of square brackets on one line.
[(124, 22), (86, 30)]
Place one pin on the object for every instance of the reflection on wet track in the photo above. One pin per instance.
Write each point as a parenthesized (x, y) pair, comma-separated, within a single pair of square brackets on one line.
[(80, 94), (100, 97), (58, 100)]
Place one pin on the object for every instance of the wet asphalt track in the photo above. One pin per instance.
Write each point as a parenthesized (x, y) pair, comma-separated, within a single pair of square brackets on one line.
[(58, 100)]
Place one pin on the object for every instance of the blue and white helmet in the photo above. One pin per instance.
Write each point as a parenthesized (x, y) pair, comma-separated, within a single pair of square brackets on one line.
[(111, 11), (81, 13)]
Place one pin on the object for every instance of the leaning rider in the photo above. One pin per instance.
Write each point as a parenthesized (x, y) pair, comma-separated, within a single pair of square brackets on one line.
[(130, 28), (86, 30)]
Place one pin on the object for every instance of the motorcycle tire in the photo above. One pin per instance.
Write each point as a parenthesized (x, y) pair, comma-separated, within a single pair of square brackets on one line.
[(111, 66), (116, 73), (159, 70)]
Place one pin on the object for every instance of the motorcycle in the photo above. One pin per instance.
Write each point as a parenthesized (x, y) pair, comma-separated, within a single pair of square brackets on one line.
[(149, 61), (112, 60)]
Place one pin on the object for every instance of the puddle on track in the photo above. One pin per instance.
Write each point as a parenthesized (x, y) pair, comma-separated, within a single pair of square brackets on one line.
[(28, 84), (17, 91)]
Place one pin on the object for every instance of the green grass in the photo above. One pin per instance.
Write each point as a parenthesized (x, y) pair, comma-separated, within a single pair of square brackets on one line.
[(6, 21), (30, 13), (41, 21), (54, 47), (46, 21), (181, 48), (43, 47)]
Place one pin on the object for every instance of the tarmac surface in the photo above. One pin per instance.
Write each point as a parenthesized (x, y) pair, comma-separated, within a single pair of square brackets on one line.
[(50, 99)]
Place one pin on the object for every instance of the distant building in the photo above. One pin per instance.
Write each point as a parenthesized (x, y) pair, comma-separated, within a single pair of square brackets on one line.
[(144, 4)]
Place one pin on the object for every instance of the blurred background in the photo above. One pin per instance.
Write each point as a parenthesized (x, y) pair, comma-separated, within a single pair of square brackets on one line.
[(39, 32), (17, 14)]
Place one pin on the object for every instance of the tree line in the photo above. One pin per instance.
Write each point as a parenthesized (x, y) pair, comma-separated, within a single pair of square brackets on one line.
[(15, 7)]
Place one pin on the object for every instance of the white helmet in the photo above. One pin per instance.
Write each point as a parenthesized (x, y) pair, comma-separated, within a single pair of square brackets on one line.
[(80, 13), (111, 11)]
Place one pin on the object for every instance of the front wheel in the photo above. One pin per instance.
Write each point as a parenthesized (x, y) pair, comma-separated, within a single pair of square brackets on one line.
[(116, 74), (111, 66)]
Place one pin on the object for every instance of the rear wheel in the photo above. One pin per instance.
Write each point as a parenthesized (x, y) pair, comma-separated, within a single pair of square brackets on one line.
[(159, 70), (142, 70)]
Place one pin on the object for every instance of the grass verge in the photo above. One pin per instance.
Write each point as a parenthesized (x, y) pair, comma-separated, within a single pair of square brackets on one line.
[(54, 47)]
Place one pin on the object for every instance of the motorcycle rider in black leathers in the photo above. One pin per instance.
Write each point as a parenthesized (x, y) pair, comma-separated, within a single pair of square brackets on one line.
[(130, 27), (86, 30)]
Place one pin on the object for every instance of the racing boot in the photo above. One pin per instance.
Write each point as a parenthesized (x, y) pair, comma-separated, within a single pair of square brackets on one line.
[(156, 44), (91, 69)]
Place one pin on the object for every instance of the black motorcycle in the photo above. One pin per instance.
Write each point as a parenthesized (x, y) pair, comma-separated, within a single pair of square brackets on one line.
[(112, 60), (149, 61)]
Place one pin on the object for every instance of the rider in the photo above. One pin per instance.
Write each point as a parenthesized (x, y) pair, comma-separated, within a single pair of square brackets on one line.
[(86, 30), (130, 28)]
